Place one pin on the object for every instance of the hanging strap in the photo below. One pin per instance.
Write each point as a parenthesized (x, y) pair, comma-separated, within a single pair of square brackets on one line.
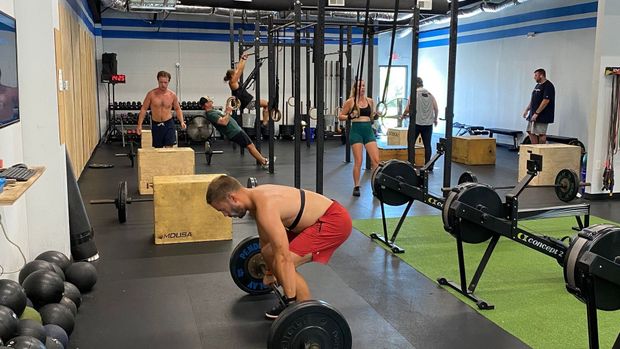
[(382, 107), (360, 62)]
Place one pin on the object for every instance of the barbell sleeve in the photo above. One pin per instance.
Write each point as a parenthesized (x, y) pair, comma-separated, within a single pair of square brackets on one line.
[(102, 202)]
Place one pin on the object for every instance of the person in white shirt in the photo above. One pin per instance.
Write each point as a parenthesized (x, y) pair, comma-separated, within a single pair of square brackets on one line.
[(426, 116)]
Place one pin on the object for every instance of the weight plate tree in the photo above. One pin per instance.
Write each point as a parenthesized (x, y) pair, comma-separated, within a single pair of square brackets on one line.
[(476, 195), (401, 170)]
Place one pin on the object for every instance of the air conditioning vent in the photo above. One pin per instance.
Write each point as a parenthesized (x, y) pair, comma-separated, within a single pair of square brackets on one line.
[(335, 3), (425, 5)]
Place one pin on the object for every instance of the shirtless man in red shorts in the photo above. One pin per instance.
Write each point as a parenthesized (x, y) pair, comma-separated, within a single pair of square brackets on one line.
[(295, 226)]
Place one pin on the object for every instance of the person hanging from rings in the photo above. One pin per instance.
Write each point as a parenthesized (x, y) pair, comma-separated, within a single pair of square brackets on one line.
[(427, 113), (233, 77), (229, 128), (295, 226), (161, 100), (359, 109)]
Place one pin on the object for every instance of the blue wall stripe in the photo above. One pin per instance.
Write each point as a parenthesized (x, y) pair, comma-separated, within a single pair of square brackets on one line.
[(509, 20), (86, 17), (540, 28), (6, 28), (141, 23), (128, 34)]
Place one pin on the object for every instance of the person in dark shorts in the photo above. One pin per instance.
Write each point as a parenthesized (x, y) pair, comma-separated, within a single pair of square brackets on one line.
[(295, 226), (161, 101), (229, 128), (540, 112), (360, 110), (246, 100)]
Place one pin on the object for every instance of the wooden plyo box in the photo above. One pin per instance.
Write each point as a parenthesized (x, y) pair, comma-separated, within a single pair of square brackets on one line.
[(146, 140), (399, 152), (181, 211), (163, 162), (473, 150), (398, 136), (556, 157)]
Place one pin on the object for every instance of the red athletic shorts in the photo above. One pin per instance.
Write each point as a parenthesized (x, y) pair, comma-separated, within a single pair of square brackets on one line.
[(323, 237)]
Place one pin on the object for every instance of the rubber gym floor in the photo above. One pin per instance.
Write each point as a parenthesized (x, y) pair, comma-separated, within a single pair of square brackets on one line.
[(182, 295)]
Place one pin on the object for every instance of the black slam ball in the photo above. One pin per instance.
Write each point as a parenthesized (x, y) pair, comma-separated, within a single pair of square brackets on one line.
[(31, 328), (13, 296), (8, 323), (73, 293), (55, 257), (25, 342), (58, 314), (33, 266), (44, 287), (83, 275)]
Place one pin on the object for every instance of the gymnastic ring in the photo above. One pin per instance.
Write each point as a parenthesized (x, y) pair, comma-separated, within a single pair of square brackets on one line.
[(276, 115), (381, 109), (312, 113), (290, 101), (233, 103)]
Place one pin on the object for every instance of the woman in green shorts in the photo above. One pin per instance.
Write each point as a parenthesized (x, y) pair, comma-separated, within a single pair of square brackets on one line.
[(360, 109)]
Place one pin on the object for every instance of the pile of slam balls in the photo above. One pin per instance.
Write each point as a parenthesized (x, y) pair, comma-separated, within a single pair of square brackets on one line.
[(39, 311)]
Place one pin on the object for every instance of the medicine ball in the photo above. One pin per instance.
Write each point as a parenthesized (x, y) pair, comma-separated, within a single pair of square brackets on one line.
[(25, 342), (8, 323), (69, 304), (55, 257), (52, 343), (32, 314), (59, 271), (33, 266), (31, 328), (56, 332), (29, 302), (13, 296), (73, 294), (58, 314), (83, 275), (44, 287)]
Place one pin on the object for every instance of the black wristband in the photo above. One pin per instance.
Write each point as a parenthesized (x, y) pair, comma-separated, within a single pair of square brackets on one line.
[(290, 300)]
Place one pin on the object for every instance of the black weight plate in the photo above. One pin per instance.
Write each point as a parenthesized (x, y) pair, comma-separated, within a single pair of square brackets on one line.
[(199, 129), (579, 144), (475, 195), (401, 170), (468, 177), (252, 182), (121, 202), (566, 185), (310, 323), (604, 240), (240, 260)]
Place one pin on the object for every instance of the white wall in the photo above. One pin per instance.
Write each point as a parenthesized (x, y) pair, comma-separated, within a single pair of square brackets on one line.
[(494, 78), (202, 63), (39, 220), (605, 55)]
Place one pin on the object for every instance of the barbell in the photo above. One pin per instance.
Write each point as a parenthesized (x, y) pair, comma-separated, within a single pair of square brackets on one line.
[(120, 202), (131, 154), (308, 324), (566, 184), (122, 199)]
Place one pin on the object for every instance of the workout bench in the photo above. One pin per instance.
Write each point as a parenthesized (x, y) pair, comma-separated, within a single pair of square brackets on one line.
[(503, 131)]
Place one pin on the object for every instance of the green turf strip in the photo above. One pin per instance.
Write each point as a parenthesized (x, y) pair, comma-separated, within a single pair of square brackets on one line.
[(526, 287)]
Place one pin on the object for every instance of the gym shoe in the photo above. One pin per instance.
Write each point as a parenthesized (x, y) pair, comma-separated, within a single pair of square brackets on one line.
[(356, 191), (275, 311)]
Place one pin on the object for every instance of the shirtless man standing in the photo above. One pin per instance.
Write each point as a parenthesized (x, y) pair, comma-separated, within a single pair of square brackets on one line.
[(8, 103), (161, 101), (295, 226)]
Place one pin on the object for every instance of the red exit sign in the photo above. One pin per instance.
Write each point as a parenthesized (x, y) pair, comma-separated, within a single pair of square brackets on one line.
[(118, 78)]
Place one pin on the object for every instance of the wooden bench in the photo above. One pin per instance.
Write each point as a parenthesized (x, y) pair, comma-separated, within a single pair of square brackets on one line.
[(515, 134)]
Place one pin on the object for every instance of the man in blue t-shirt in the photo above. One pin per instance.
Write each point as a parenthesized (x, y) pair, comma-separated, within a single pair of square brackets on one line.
[(229, 128), (540, 111)]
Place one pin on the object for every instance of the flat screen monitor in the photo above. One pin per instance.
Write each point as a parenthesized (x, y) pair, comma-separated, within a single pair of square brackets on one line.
[(9, 98)]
